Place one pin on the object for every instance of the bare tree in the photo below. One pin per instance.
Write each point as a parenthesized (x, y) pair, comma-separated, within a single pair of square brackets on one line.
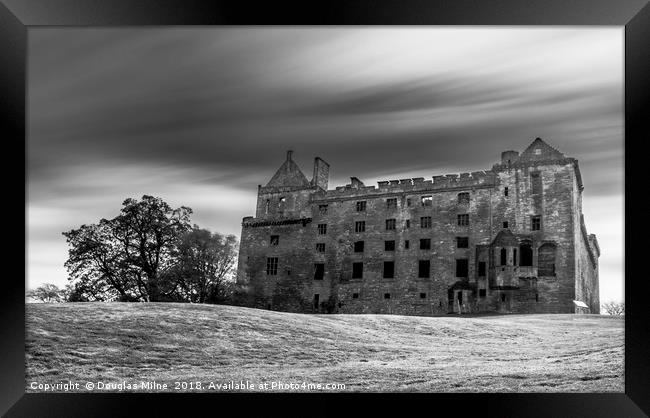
[(614, 308)]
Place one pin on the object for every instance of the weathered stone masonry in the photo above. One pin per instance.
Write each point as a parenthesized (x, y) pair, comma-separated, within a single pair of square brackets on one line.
[(509, 239)]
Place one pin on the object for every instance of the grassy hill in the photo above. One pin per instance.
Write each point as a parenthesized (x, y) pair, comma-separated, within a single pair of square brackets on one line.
[(168, 342)]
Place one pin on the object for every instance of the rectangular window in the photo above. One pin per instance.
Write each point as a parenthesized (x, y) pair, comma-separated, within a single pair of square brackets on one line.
[(424, 267), (423, 295), (357, 270), (322, 209), (355, 296), (461, 267), (275, 239), (503, 297), (463, 198), (482, 293), (389, 269), (389, 245), (360, 226), (481, 269), (358, 247), (463, 220), (271, 266), (322, 229), (427, 201), (390, 224), (361, 206), (425, 222), (320, 247), (319, 271), (409, 202), (386, 295), (462, 242), (406, 244), (391, 203), (536, 183), (536, 223), (408, 223), (505, 191), (505, 225), (425, 244)]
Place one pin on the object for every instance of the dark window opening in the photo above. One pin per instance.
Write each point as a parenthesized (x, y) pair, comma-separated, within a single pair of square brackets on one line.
[(390, 224), (408, 223), (514, 256), (360, 226), (423, 295), (425, 244), (504, 257), (322, 209), (316, 301), (409, 202), (536, 183), (386, 295), (482, 293), (505, 191), (427, 200), (275, 239), (358, 246), (481, 268), (503, 297), (463, 198), (391, 203), (319, 271), (357, 270), (355, 296), (406, 244), (461, 267), (389, 269), (424, 268), (526, 255), (462, 242), (425, 222), (322, 229), (361, 206), (463, 220), (536, 223), (320, 247), (536, 297), (389, 245), (505, 225), (271, 266)]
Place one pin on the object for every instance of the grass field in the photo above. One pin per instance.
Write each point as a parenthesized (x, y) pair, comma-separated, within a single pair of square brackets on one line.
[(135, 342)]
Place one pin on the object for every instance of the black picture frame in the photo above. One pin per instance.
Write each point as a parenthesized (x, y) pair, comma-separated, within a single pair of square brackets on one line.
[(18, 16)]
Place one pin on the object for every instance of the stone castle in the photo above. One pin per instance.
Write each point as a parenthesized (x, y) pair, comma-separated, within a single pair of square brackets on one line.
[(511, 239)]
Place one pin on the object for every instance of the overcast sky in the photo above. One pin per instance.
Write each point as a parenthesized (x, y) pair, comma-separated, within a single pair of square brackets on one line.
[(201, 116)]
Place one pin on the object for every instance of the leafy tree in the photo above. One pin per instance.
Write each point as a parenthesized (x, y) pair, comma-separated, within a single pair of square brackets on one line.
[(205, 266), (614, 308), (130, 256), (47, 293)]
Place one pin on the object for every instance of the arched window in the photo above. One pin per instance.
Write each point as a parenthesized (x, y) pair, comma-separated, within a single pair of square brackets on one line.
[(526, 254), (546, 260), (266, 208), (504, 257), (282, 204)]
